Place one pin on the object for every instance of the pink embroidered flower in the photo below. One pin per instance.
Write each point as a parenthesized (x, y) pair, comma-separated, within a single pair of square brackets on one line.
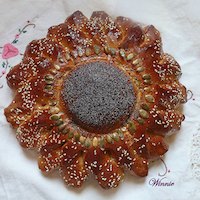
[(3, 71), (16, 36), (9, 51)]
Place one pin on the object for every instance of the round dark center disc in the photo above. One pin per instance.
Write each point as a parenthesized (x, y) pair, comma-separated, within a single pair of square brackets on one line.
[(98, 96)]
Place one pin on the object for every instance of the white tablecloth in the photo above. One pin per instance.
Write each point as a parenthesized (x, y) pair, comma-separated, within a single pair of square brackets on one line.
[(179, 24)]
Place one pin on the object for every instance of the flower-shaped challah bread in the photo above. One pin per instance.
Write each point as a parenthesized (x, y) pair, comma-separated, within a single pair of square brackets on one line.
[(96, 96)]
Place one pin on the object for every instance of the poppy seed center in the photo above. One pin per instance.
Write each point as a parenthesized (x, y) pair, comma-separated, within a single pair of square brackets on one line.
[(99, 96)]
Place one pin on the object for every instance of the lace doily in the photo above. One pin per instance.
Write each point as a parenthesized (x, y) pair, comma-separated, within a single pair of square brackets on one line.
[(195, 154)]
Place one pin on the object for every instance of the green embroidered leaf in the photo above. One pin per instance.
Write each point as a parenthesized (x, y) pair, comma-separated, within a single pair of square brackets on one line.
[(3, 64), (24, 31)]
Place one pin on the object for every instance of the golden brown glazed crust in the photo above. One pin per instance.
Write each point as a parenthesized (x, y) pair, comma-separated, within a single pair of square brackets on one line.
[(38, 111)]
